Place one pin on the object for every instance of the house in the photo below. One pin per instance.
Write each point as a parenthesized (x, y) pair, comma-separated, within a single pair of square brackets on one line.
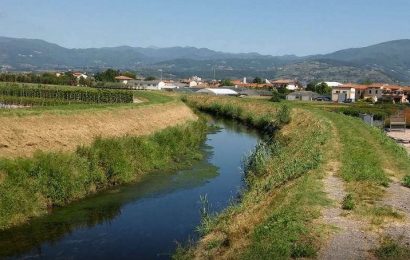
[(286, 83), (344, 93), (123, 79), (79, 75), (379, 91), (332, 84), (146, 85), (218, 91), (302, 95), (244, 84)]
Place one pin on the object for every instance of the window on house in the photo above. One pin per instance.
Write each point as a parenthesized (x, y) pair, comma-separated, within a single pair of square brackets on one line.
[(370, 91), (377, 92)]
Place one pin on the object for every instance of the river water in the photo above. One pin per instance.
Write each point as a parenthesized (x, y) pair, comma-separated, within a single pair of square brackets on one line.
[(143, 220)]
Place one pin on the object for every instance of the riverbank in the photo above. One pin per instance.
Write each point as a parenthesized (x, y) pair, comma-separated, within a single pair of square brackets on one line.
[(328, 187), (31, 186), (145, 218)]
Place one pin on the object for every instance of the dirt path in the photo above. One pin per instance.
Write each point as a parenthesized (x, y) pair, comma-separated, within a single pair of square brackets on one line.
[(350, 241), (351, 238), (22, 136), (398, 197)]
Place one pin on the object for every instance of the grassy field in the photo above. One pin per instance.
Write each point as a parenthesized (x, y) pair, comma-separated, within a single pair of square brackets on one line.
[(277, 217)]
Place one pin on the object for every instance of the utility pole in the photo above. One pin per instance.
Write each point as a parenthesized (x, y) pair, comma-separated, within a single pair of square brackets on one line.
[(161, 73)]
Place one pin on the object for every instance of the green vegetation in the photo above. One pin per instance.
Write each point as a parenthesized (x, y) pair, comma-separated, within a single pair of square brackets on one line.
[(29, 186), (348, 202), (319, 87), (257, 80), (390, 249), (150, 78), (43, 78), (227, 82), (51, 94), (275, 216), (406, 181)]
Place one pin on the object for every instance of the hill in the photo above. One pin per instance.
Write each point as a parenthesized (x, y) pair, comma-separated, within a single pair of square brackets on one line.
[(388, 62)]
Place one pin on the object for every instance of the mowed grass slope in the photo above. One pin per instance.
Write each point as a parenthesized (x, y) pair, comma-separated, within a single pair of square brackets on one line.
[(63, 128)]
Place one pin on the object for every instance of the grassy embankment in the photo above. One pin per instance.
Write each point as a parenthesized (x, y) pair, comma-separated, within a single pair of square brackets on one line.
[(111, 155), (369, 156), (275, 217), (29, 186)]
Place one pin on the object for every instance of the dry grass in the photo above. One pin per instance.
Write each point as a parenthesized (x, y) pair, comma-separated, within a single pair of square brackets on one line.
[(22, 136)]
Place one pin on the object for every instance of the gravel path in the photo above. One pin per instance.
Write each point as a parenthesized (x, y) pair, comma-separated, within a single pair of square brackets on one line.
[(350, 240), (398, 197)]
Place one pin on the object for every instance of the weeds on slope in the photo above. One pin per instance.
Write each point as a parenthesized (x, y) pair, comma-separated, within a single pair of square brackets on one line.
[(273, 220)]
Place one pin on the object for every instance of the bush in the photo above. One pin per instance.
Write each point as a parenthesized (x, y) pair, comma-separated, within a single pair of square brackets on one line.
[(283, 115), (406, 181), (348, 202)]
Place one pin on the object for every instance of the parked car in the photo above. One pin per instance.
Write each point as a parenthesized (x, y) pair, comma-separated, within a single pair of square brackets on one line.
[(322, 99)]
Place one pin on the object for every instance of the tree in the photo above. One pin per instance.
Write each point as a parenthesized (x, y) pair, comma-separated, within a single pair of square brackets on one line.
[(323, 88), (150, 78), (227, 82), (257, 80), (107, 76), (129, 74), (319, 87)]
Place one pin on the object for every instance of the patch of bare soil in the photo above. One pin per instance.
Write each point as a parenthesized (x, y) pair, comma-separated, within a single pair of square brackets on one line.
[(350, 241), (22, 136), (398, 197)]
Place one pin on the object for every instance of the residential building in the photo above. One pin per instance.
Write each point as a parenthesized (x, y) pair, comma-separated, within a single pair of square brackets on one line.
[(146, 85), (244, 84), (123, 79), (344, 93), (286, 83), (332, 84), (302, 95), (79, 75)]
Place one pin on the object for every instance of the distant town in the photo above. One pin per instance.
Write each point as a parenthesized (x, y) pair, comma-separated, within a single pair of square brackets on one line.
[(280, 88)]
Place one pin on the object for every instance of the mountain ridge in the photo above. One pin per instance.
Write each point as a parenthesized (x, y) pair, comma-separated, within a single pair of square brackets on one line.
[(389, 61)]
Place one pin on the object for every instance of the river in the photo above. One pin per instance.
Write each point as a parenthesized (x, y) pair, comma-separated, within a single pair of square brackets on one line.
[(143, 220)]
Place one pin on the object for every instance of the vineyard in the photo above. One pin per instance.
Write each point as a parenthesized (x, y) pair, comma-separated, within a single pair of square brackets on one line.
[(20, 94)]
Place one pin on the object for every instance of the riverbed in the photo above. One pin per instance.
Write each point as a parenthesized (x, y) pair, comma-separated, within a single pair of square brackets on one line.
[(144, 220)]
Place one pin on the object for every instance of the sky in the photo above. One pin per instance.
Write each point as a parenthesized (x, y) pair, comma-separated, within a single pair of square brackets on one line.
[(276, 27)]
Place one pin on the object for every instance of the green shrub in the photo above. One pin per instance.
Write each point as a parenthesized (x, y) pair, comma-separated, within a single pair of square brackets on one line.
[(406, 181), (348, 202)]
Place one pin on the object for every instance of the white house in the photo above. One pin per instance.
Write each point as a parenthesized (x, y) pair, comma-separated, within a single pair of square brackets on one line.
[(218, 91), (286, 83), (193, 83), (146, 85), (79, 75), (343, 93), (332, 84)]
